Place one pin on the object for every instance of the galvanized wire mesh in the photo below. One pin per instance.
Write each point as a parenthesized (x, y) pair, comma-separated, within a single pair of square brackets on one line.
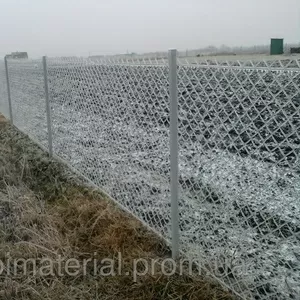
[(239, 153), (110, 122), (28, 98), (239, 136), (4, 108)]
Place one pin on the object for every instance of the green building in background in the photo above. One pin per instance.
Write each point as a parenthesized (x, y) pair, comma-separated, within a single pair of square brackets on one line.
[(276, 46)]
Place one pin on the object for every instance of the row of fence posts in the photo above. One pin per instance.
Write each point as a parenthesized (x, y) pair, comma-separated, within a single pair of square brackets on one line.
[(172, 60)]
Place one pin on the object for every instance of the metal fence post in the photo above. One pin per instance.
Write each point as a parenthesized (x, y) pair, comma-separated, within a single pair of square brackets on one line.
[(174, 151), (48, 108), (8, 92)]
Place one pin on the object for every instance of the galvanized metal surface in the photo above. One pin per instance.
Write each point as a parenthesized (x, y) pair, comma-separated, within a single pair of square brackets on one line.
[(238, 138), (174, 151), (48, 107)]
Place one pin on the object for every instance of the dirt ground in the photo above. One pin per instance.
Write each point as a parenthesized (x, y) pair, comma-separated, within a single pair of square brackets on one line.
[(48, 214)]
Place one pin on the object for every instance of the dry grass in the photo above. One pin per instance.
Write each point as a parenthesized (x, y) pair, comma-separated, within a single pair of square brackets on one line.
[(46, 213)]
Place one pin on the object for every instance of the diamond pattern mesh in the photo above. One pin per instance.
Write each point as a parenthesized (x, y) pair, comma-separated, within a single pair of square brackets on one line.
[(110, 121), (239, 136), (28, 98), (238, 153)]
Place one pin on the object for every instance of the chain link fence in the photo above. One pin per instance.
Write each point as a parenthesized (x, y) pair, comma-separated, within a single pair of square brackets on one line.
[(26, 78), (238, 138), (110, 122)]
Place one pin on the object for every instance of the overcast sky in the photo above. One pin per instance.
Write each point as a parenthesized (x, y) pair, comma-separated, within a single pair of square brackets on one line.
[(80, 27)]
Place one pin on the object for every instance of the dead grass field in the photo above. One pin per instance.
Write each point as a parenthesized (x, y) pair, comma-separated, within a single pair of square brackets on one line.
[(46, 212)]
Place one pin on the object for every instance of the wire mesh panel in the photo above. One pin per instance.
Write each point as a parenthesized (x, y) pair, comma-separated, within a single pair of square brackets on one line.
[(28, 98), (239, 146), (110, 122), (239, 136), (4, 108)]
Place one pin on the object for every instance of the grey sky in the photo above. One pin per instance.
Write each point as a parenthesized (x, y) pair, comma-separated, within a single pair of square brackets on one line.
[(77, 27)]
